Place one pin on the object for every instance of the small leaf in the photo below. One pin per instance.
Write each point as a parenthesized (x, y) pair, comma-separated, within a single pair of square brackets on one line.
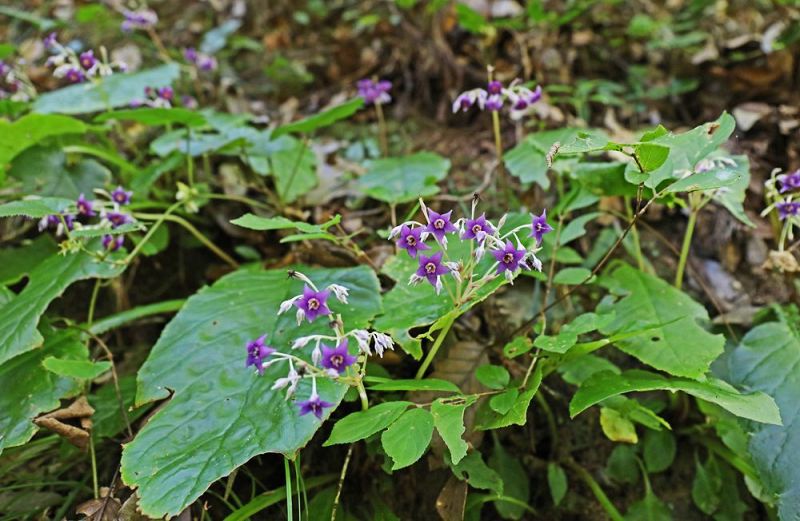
[(255, 222), (448, 418), (321, 120), (649, 509), (622, 465), (503, 402), (428, 384), (616, 427), (557, 480), (576, 370), (479, 475), (78, 369), (493, 376), (707, 486), (573, 276), (487, 419), (518, 346), (154, 116), (407, 439), (363, 424), (651, 156), (659, 450), (35, 207), (516, 483)]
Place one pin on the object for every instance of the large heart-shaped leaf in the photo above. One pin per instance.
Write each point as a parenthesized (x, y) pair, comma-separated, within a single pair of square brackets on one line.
[(29, 389), (768, 360), (118, 90), (755, 406), (676, 342), (222, 414), (45, 171), (404, 179), (48, 280)]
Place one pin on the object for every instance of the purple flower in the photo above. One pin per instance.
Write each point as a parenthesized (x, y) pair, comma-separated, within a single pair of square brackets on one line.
[(789, 182), (788, 209), (4, 68), (48, 221), (118, 218), (206, 63), (165, 93), (494, 102), (411, 240), (257, 351), (337, 359), (141, 19), (439, 224), (50, 41), (432, 268), (509, 258), (467, 99), (120, 196), (189, 102), (494, 87), (374, 92), (539, 226), (112, 242), (84, 206), (74, 75), (478, 228), (533, 96), (87, 59), (313, 405), (313, 303), (190, 54)]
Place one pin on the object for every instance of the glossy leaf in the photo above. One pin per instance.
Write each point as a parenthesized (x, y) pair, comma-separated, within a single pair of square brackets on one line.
[(78, 369), (404, 179), (407, 439), (767, 359), (650, 156), (755, 406), (617, 427), (676, 342), (117, 90), (363, 424), (493, 376), (221, 414), (48, 280), (29, 389), (321, 120)]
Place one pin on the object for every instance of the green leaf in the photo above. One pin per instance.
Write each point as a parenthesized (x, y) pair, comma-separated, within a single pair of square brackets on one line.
[(363, 424), (78, 369), (255, 222), (622, 465), (48, 280), (617, 427), (428, 384), (651, 155), (716, 175), (294, 167), (707, 486), (585, 142), (516, 483), (156, 116), (31, 129), (448, 417), (16, 263), (43, 24), (576, 370), (322, 119), (407, 439), (659, 450), (117, 90), (215, 39), (479, 475), (572, 276), (99, 230), (557, 480), (755, 406), (649, 509), (220, 414), (29, 389), (46, 171), (767, 360), (493, 376), (732, 196), (107, 420), (676, 343), (487, 419), (471, 20), (518, 346), (403, 179), (35, 207), (503, 402)]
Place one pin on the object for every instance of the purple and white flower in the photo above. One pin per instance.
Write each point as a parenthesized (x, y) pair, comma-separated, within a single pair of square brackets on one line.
[(509, 259), (431, 268), (113, 242), (121, 196), (789, 182), (290, 381), (411, 240), (539, 226), (338, 358), (312, 304), (788, 209), (467, 99), (257, 352), (374, 92), (314, 404), (85, 207), (478, 229), (439, 224), (143, 19)]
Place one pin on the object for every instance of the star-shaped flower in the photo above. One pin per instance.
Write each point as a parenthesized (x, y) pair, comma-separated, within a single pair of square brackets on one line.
[(411, 240), (337, 358), (539, 226), (85, 207), (509, 258), (121, 196), (432, 268), (257, 351), (478, 228), (313, 303), (314, 405), (439, 224)]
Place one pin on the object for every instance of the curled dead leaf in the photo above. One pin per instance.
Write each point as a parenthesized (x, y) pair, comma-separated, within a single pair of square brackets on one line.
[(782, 261)]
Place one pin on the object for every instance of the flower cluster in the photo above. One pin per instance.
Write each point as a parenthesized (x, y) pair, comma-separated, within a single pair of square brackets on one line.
[(375, 92), (142, 19), (518, 97), (204, 62), (783, 194), (509, 256), (331, 355), (14, 83), (161, 97), (110, 213), (77, 68)]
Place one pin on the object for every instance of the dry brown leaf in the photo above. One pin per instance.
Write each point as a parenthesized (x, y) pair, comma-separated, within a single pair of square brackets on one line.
[(452, 500)]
